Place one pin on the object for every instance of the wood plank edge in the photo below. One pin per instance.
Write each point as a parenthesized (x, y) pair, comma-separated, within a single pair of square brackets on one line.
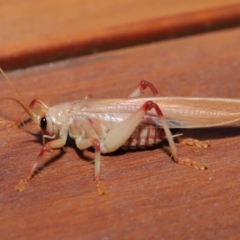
[(117, 37)]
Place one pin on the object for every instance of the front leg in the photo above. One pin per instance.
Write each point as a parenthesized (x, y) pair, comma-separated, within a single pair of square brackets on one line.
[(58, 143)]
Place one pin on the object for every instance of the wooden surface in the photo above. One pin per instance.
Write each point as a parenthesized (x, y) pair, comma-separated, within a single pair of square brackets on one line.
[(38, 33), (150, 197)]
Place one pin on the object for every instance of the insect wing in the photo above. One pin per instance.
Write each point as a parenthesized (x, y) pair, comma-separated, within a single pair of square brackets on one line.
[(180, 112)]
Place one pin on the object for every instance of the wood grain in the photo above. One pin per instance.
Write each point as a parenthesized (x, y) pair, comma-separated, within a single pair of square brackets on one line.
[(44, 32), (150, 197)]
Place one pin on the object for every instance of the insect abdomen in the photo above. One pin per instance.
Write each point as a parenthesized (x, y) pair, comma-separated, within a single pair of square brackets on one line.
[(144, 136)]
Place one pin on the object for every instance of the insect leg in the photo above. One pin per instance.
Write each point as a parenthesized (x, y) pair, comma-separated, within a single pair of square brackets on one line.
[(120, 133), (40, 102), (93, 142), (141, 87), (58, 143), (176, 158)]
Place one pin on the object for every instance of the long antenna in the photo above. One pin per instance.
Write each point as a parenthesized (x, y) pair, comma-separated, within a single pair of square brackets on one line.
[(24, 103), (14, 87)]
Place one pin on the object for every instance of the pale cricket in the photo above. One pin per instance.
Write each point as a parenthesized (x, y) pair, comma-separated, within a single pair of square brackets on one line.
[(132, 122)]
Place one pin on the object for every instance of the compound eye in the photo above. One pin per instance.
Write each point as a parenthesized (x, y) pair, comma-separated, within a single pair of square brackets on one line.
[(43, 123)]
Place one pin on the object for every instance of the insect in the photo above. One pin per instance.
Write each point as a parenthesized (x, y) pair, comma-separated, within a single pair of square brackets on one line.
[(108, 124)]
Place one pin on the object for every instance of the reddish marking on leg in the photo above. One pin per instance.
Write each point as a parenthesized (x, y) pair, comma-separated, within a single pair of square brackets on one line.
[(96, 144), (22, 184), (149, 105), (39, 101), (144, 84), (45, 148)]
